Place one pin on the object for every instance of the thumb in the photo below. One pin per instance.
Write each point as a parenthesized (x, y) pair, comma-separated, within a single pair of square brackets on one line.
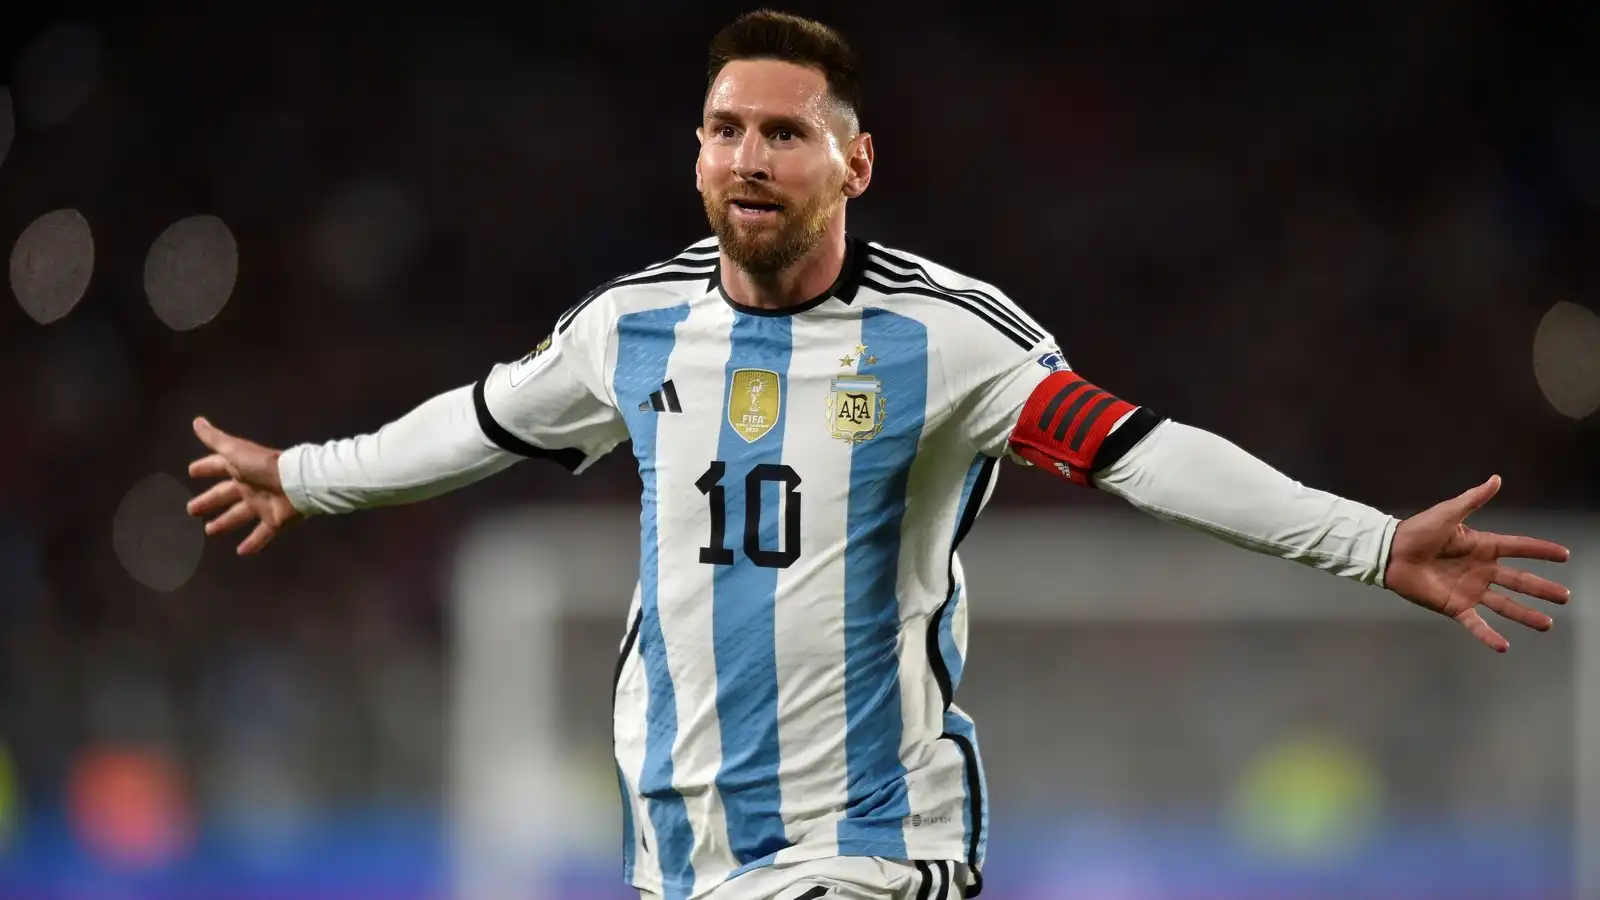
[(1471, 501)]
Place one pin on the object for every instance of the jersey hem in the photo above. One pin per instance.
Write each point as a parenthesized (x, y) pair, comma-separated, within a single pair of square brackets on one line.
[(797, 854)]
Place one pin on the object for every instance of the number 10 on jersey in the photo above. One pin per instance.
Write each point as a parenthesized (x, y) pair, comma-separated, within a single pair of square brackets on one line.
[(716, 552)]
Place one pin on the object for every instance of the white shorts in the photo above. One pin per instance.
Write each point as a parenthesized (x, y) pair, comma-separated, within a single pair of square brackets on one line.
[(846, 878)]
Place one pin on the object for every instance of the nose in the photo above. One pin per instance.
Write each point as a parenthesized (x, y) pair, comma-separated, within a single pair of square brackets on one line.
[(750, 161)]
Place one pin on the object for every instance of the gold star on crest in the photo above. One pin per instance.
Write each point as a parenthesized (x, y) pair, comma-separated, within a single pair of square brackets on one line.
[(849, 359)]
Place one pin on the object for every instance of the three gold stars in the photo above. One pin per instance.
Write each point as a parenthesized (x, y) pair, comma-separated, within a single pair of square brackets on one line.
[(849, 359)]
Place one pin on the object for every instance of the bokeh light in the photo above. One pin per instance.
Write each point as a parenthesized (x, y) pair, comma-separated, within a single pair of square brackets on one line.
[(51, 264), (156, 540), (128, 807), (190, 271), (1566, 359), (1308, 797), (55, 73)]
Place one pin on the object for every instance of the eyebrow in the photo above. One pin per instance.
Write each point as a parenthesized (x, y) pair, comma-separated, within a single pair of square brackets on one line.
[(719, 116)]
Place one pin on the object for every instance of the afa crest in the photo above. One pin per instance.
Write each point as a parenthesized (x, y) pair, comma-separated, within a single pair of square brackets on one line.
[(855, 408), (755, 400)]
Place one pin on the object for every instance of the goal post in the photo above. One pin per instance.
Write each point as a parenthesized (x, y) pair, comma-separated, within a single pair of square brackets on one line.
[(504, 805)]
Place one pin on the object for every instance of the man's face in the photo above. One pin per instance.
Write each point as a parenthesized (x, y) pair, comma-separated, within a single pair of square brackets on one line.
[(772, 170)]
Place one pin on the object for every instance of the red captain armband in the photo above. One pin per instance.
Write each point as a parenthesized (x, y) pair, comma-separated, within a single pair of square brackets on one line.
[(1066, 428)]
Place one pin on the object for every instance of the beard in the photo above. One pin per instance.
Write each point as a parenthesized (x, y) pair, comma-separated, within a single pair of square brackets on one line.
[(766, 249)]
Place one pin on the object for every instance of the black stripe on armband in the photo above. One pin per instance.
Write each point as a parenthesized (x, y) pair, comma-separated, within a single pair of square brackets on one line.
[(567, 457), (1119, 442)]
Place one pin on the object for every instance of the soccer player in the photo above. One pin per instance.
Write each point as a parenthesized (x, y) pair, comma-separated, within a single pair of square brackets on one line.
[(817, 421)]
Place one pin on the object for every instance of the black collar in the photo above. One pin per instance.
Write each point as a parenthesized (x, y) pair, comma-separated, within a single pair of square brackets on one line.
[(843, 287)]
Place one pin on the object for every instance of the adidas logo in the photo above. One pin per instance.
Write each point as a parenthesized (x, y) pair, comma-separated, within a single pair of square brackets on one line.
[(664, 400)]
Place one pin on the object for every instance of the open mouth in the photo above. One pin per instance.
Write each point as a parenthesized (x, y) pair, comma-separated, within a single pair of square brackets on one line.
[(756, 206)]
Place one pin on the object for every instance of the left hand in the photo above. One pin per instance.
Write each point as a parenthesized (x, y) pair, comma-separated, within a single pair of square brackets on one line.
[(1440, 564)]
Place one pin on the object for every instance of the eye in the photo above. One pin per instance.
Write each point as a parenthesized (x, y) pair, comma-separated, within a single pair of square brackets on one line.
[(783, 134), (724, 131)]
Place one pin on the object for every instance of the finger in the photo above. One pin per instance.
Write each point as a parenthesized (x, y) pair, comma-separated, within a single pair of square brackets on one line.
[(257, 539), (213, 466), (1531, 584), (221, 496), (1522, 615), (1471, 501), (237, 515), (1481, 630), (1519, 547), (211, 435)]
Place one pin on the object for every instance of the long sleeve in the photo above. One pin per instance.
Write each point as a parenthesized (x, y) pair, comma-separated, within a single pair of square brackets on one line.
[(435, 448), (550, 403), (1198, 479)]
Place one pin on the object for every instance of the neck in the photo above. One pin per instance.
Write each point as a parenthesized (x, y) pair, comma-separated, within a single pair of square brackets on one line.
[(803, 280)]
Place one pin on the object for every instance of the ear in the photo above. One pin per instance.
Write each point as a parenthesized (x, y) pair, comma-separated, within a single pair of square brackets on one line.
[(699, 181), (858, 160)]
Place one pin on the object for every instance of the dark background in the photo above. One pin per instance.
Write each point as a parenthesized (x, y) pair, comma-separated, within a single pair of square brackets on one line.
[(1326, 231)]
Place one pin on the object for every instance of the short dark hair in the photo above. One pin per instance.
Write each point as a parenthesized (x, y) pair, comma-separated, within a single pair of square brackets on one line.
[(766, 34)]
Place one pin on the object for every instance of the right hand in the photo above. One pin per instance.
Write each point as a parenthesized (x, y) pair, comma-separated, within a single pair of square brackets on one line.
[(251, 492)]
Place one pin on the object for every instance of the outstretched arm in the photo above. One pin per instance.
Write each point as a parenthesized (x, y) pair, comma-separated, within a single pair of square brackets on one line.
[(1026, 402), (1193, 477), (435, 448), (1198, 479), (550, 403)]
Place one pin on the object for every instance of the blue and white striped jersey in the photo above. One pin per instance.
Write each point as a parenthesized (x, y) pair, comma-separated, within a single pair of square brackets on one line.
[(784, 691)]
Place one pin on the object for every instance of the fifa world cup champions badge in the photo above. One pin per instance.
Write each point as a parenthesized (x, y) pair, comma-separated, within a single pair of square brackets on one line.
[(754, 402)]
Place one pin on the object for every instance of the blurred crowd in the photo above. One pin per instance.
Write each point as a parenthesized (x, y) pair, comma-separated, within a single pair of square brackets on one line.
[(1325, 231)]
